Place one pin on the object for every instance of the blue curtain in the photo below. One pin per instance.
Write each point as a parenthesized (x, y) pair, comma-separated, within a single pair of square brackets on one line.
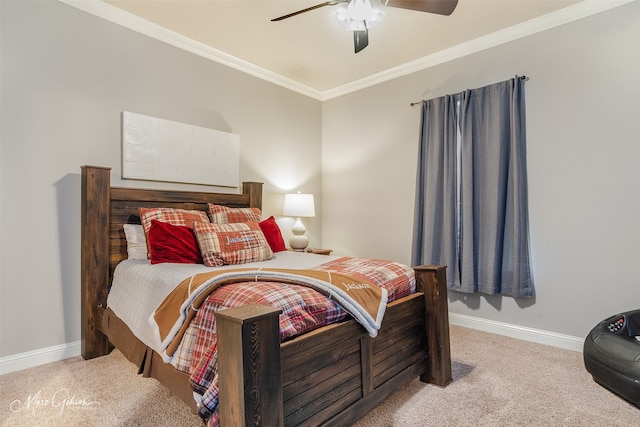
[(436, 209), (491, 237)]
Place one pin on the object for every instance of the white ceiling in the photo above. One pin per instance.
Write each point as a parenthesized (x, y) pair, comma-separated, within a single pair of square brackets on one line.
[(310, 54)]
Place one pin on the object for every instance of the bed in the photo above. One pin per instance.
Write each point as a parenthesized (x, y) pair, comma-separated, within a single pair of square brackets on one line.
[(262, 380)]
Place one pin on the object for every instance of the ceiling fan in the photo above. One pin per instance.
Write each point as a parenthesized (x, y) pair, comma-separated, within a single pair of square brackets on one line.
[(360, 15)]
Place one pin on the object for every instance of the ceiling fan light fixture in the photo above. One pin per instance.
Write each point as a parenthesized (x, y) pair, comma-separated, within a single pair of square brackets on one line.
[(358, 15)]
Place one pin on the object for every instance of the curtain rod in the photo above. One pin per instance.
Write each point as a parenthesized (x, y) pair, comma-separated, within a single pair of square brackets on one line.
[(413, 104)]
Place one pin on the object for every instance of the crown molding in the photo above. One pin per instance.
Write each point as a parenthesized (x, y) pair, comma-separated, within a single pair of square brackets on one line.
[(563, 16), (527, 28)]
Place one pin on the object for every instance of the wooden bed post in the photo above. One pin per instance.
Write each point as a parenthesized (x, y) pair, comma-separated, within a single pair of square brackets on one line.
[(94, 237), (250, 386), (254, 190), (432, 281)]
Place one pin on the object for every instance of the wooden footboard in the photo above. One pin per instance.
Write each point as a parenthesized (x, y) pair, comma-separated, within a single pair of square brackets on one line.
[(332, 376), (335, 375)]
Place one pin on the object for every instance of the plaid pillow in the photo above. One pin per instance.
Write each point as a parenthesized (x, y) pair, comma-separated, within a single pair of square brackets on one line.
[(226, 215), (236, 243), (172, 216)]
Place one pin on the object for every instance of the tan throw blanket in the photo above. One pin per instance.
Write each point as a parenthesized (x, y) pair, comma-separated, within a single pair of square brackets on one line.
[(366, 302)]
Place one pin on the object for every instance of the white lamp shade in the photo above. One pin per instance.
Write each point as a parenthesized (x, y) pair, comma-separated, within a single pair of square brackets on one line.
[(298, 205)]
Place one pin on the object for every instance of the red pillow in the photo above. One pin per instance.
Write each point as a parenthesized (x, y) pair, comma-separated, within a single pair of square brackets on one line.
[(173, 243), (272, 232)]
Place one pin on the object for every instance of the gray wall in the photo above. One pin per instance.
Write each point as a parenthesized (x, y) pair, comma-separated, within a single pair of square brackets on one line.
[(583, 117), (66, 78)]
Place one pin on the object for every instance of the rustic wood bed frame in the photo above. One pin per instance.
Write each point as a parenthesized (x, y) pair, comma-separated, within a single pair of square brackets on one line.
[(331, 376)]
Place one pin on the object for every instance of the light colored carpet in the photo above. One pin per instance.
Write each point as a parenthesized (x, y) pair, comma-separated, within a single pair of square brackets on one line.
[(106, 391), (505, 382), (498, 381)]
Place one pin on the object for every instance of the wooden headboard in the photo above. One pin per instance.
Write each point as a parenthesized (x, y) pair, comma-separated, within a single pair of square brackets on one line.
[(105, 210)]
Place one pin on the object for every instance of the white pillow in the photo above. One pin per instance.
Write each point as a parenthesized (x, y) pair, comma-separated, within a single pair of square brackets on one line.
[(136, 241)]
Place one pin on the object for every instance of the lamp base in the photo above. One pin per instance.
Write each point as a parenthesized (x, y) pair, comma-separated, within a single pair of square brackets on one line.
[(298, 242)]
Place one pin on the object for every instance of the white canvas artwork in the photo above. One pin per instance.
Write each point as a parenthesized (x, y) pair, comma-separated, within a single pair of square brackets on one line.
[(163, 150)]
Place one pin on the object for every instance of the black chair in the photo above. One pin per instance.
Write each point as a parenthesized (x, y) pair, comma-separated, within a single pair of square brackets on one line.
[(612, 355)]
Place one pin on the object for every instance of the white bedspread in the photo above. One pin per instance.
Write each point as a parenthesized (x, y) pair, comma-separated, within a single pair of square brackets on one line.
[(139, 288)]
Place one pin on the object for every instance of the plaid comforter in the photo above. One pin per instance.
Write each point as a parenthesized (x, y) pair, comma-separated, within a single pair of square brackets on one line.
[(303, 309)]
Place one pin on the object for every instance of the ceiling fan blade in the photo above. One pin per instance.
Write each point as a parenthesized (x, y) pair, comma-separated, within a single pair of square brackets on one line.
[(440, 7), (318, 6), (360, 39)]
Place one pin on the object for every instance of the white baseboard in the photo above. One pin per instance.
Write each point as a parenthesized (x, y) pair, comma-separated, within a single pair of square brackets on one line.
[(34, 358), (30, 359), (567, 342)]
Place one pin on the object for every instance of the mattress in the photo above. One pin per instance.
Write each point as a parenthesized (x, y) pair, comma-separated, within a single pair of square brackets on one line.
[(138, 287)]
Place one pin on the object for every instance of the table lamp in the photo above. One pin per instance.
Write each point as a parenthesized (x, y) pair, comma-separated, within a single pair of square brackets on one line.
[(298, 205)]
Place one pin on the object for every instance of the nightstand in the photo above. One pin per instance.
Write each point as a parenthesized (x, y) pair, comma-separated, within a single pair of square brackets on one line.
[(320, 251)]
